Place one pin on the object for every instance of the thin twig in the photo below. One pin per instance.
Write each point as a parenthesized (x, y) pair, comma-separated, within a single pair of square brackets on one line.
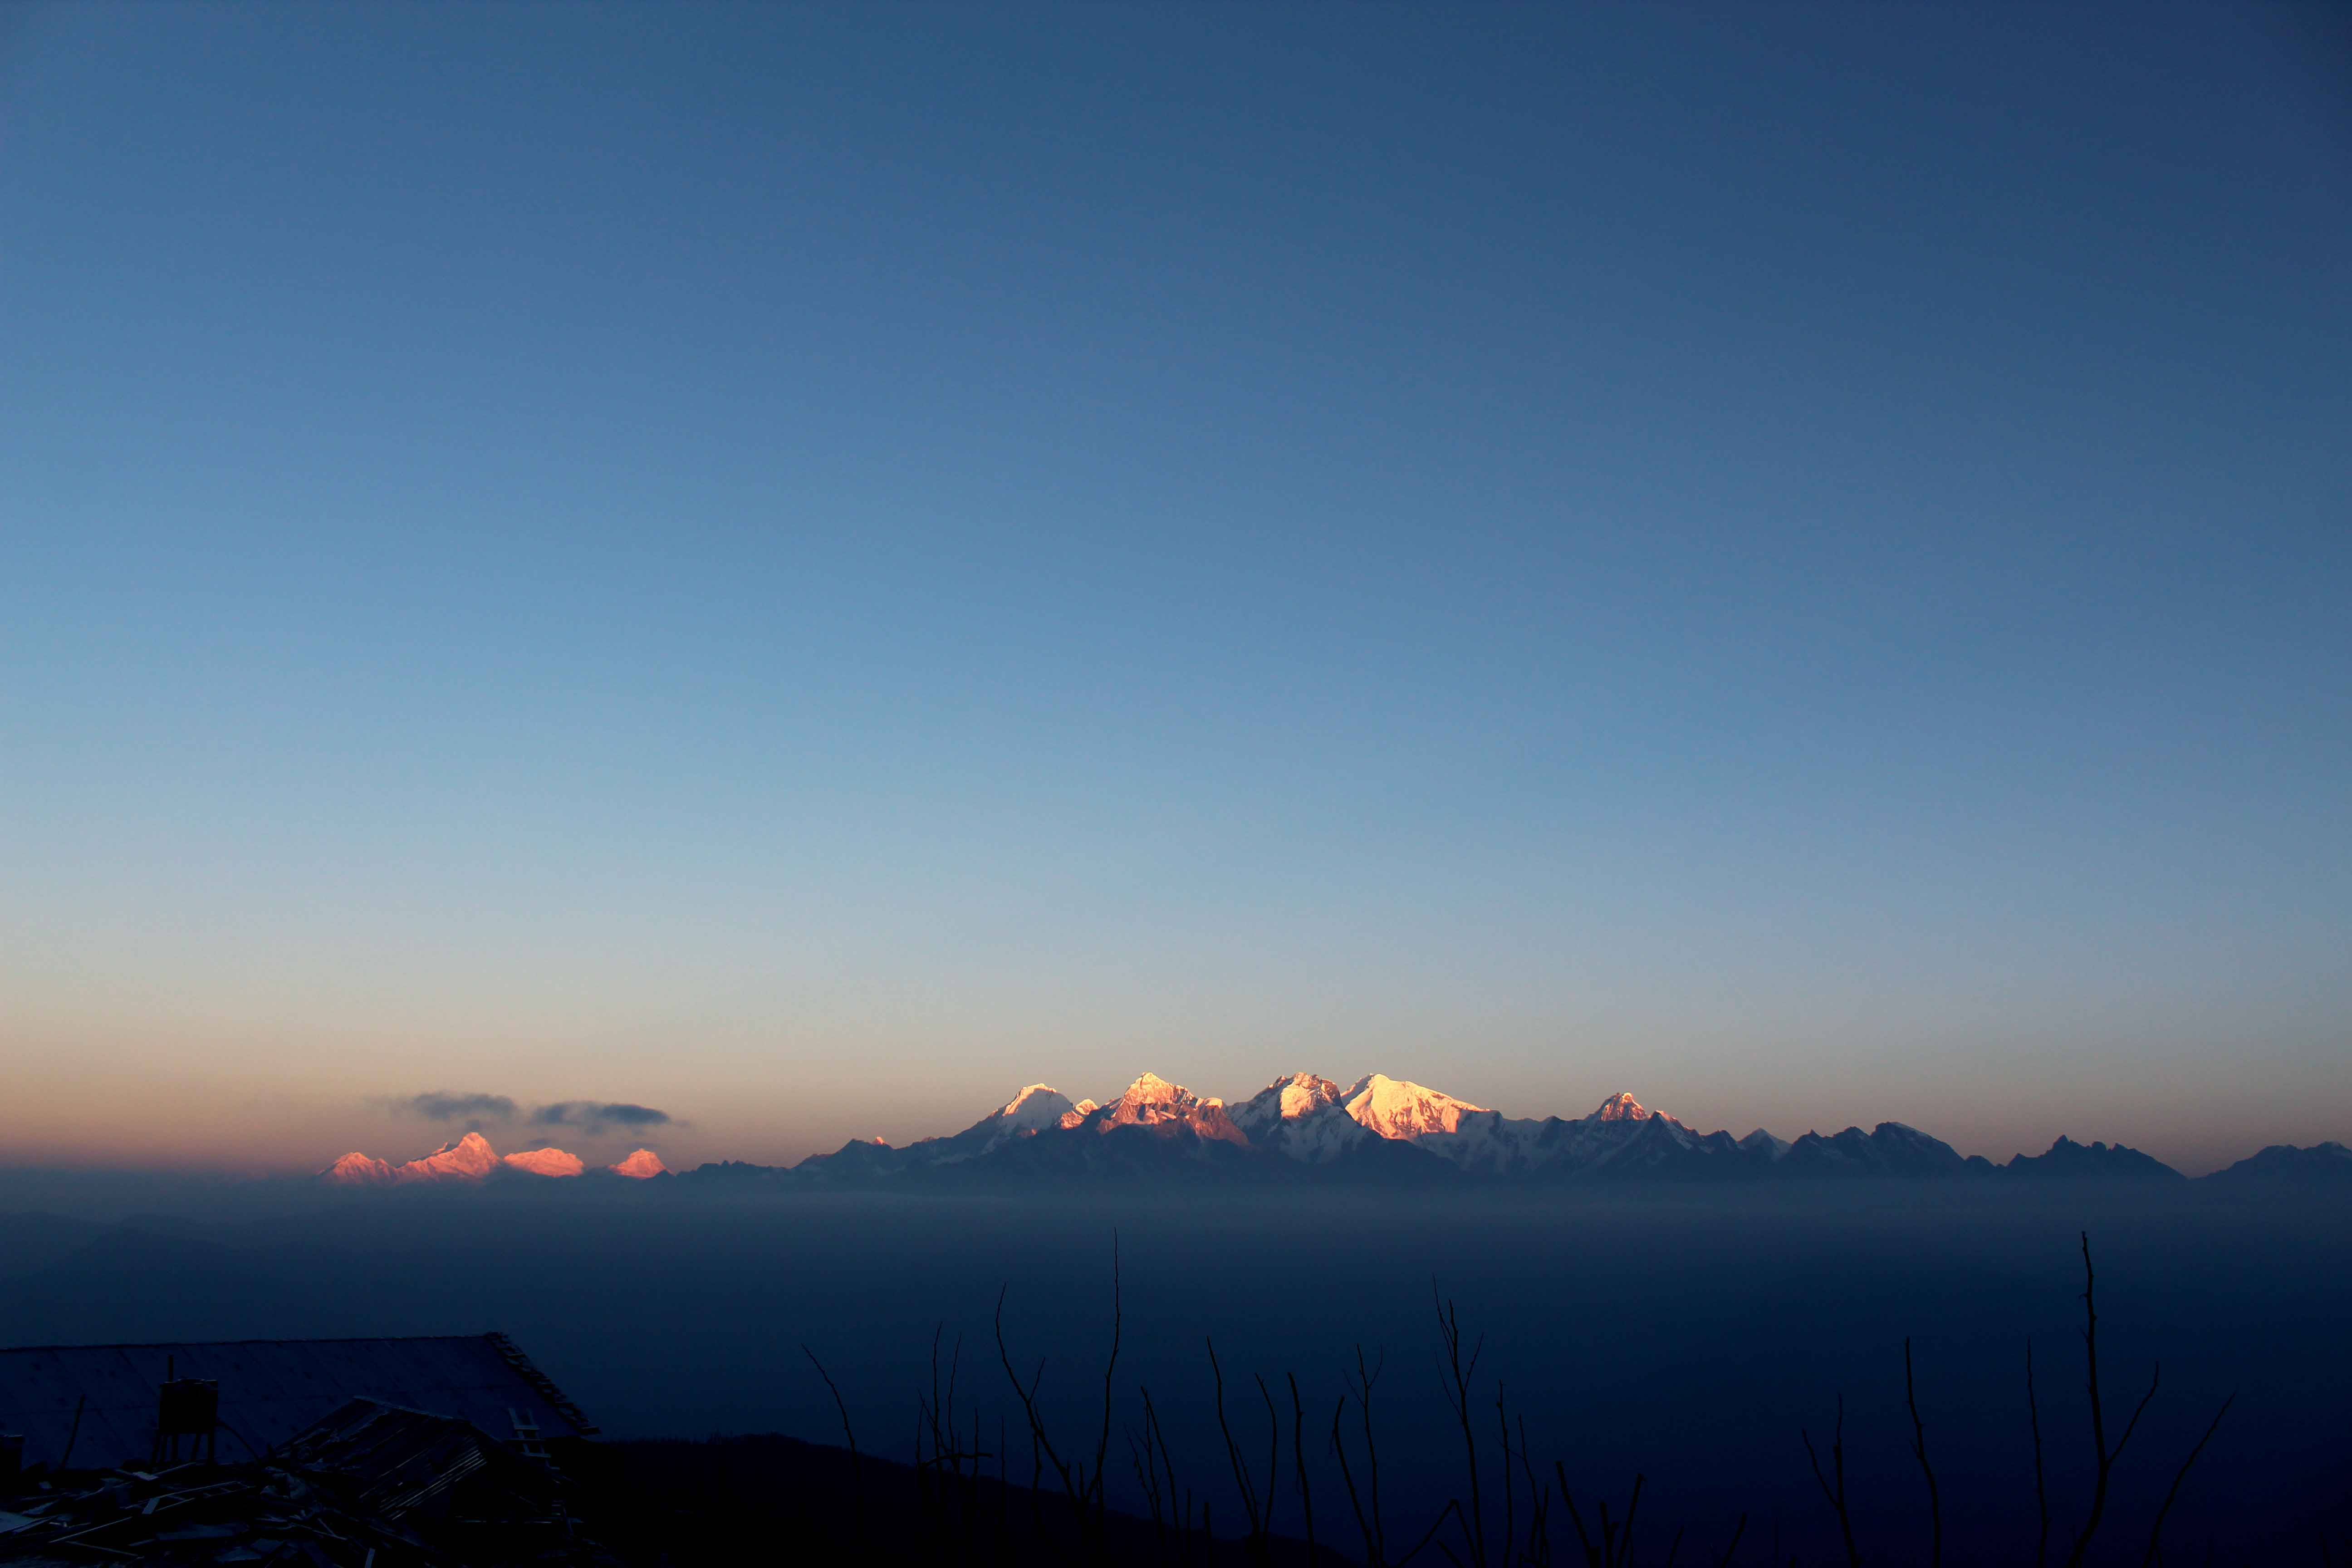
[(2174, 1491), (841, 1405), (1591, 1553), (1365, 1377), (1118, 1322), (1040, 1444), (1919, 1452), (1452, 1508), (2040, 1490), (1510, 1517), (1449, 1328), (2106, 1455), (1232, 1449), (1538, 1549), (1273, 1457), (1837, 1497), (1348, 1474), (1298, 1457)]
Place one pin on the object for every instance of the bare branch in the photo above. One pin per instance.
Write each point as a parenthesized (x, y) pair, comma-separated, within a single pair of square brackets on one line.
[(1355, 1503), (1232, 1449), (1510, 1518), (2040, 1490), (1453, 1509), (1365, 1378), (841, 1405), (1591, 1553), (1836, 1498), (1919, 1452), (1457, 1393), (2138, 1410), (1299, 1458), (1273, 1448), (2104, 1456), (1039, 1442), (1118, 1322), (1538, 1548), (2154, 1534)]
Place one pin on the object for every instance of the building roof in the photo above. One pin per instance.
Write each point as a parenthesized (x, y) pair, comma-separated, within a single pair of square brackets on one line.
[(270, 1390)]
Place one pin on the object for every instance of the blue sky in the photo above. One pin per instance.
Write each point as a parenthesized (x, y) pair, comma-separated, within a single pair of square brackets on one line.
[(808, 568)]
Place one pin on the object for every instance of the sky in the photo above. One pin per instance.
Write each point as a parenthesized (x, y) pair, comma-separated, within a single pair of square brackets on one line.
[(802, 569)]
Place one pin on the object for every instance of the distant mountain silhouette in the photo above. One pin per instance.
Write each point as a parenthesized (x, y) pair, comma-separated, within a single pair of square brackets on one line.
[(1302, 1128), (2325, 1166), (1890, 1149), (2069, 1161)]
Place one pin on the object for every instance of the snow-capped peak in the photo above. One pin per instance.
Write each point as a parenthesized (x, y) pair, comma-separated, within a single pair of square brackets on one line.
[(1152, 1101), (1621, 1107), (643, 1165), (1286, 1099), (356, 1169), (1395, 1108), (469, 1159), (1150, 1097), (1302, 1094), (546, 1163), (1036, 1107), (1028, 1093)]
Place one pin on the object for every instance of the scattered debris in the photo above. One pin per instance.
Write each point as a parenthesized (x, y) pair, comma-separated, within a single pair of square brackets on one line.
[(373, 1486), (103, 1406)]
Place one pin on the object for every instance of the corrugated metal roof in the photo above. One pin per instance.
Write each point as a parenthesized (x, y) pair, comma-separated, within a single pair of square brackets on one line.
[(270, 1390)]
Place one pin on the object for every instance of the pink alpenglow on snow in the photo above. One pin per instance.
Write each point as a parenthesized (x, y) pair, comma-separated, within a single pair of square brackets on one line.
[(1152, 1101), (643, 1165), (357, 1170), (1301, 1116), (1394, 1108), (469, 1159), (546, 1163)]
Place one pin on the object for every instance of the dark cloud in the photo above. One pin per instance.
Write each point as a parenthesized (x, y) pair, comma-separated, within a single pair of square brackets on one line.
[(593, 1118), (446, 1106)]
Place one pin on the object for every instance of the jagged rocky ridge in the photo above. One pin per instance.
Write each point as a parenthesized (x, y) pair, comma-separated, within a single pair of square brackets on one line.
[(1384, 1131)]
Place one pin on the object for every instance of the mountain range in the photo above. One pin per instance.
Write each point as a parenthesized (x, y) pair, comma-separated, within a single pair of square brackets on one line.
[(1384, 1131), (1379, 1132), (471, 1159)]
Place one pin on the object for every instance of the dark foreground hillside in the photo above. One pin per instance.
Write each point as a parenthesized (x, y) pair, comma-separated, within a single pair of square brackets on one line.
[(1695, 1337), (771, 1498)]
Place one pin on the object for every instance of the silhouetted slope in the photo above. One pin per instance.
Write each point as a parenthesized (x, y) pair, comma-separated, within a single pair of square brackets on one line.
[(2067, 1159), (2324, 1167), (769, 1497), (1890, 1149)]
